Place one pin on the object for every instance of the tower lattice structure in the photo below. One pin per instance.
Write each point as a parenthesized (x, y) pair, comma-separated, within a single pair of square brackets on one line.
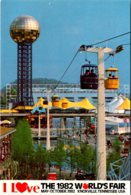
[(24, 76), (24, 31)]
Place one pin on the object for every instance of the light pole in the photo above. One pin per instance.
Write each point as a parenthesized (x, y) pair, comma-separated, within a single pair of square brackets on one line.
[(39, 126), (101, 134), (48, 145)]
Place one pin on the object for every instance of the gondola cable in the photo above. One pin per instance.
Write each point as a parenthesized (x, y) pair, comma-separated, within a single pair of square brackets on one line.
[(66, 70), (82, 48), (111, 38)]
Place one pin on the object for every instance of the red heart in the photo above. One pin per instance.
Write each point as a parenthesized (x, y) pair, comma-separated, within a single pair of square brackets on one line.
[(85, 186), (21, 186)]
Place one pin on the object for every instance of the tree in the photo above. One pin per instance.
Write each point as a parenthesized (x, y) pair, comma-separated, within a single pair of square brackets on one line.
[(83, 158), (3, 100), (72, 154), (50, 158), (40, 160), (13, 91), (117, 145), (59, 155), (87, 158), (114, 155), (22, 143)]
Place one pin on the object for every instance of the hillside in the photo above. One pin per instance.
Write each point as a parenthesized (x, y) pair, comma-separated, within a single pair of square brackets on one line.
[(45, 81), (37, 81)]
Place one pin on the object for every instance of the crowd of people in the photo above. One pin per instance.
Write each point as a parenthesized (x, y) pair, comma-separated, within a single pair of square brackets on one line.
[(90, 73)]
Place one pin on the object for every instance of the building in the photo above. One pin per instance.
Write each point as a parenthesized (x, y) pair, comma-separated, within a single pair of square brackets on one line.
[(69, 91), (5, 151)]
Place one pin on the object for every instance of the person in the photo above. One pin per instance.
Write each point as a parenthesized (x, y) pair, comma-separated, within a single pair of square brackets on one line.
[(121, 138), (109, 144), (92, 74), (110, 76), (87, 72)]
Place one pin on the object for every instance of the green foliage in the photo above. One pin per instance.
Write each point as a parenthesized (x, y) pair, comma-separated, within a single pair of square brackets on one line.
[(13, 91), (82, 158), (117, 145), (87, 158), (22, 144), (40, 155), (114, 155), (59, 154), (3, 100), (50, 156), (73, 154)]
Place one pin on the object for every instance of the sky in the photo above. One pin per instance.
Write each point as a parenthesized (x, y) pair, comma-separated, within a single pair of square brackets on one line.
[(65, 26)]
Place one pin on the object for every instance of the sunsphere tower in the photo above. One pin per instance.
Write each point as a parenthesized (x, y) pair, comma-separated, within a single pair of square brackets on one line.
[(24, 30)]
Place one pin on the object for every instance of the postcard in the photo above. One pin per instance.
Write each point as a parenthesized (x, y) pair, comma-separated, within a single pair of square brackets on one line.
[(65, 97)]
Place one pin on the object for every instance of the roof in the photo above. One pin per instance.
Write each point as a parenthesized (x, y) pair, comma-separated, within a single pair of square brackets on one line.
[(63, 103), (66, 104), (8, 111), (111, 69), (40, 103), (4, 131), (85, 104), (24, 107), (126, 105), (112, 106), (89, 65)]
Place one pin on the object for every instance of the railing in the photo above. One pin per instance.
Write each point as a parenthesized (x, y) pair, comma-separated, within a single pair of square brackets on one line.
[(120, 169)]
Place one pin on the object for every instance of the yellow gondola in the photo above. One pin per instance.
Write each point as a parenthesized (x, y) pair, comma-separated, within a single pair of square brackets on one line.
[(112, 78)]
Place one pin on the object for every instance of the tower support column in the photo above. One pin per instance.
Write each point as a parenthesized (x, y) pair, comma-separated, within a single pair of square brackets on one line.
[(24, 74), (101, 133), (48, 143)]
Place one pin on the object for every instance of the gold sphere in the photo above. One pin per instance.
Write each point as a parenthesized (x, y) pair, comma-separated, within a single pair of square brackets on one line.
[(24, 29)]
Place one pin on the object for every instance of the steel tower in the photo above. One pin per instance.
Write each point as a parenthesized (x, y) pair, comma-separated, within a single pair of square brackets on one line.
[(24, 30)]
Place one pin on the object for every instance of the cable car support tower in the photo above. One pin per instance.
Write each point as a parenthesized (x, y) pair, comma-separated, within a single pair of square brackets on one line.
[(101, 134)]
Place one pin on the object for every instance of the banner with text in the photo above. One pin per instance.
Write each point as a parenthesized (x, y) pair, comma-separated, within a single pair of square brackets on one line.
[(10, 187)]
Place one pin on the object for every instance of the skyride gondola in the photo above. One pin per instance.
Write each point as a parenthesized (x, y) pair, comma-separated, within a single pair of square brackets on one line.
[(89, 76), (112, 78)]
